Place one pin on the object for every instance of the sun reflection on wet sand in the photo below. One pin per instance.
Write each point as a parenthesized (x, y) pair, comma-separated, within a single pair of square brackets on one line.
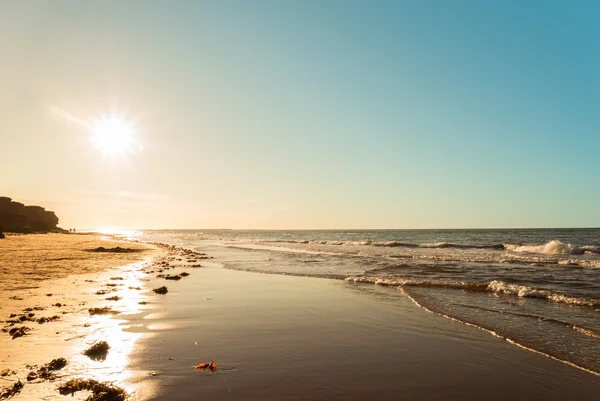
[(117, 331)]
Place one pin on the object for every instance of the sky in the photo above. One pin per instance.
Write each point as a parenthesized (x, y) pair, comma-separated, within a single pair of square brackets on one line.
[(304, 114)]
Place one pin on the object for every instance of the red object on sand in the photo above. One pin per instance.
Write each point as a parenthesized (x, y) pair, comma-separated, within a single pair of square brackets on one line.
[(202, 366)]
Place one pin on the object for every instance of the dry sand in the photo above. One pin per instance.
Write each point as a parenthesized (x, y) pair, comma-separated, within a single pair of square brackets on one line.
[(26, 260)]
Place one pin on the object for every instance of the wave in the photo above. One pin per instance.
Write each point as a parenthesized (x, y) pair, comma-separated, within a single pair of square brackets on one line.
[(553, 247), (495, 286), (504, 336), (580, 329)]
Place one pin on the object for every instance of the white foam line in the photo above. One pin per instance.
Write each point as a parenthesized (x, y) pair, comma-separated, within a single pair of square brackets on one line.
[(509, 340)]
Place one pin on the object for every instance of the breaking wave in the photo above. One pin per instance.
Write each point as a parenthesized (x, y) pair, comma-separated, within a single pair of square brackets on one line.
[(495, 286), (553, 247)]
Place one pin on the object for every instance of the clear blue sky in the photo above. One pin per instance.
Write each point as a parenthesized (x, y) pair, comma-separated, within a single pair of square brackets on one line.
[(305, 114)]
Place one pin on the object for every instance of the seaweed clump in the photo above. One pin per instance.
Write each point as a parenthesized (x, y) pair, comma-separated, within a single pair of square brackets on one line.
[(116, 249), (100, 391), (102, 311), (98, 351), (46, 371), (11, 391), (45, 319), (113, 298), (161, 290), (16, 332)]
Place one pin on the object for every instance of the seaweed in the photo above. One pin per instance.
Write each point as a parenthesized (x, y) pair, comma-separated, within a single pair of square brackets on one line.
[(184, 274), (102, 311), (55, 364), (172, 277), (98, 351), (11, 391), (161, 290), (113, 298), (16, 332), (116, 278), (100, 391), (116, 249), (43, 320)]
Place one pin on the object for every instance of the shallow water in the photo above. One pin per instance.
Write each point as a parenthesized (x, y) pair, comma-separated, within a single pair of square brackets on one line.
[(538, 288)]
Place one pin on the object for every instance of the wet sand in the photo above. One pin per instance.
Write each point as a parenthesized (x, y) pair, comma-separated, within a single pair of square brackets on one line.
[(295, 338), (272, 337)]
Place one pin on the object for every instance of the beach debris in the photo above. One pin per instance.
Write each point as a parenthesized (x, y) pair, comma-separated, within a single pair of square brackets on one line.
[(11, 391), (44, 319), (97, 351), (212, 366), (113, 298), (161, 290), (101, 391), (113, 285), (116, 249), (116, 278), (5, 372), (102, 311), (134, 288), (55, 364), (46, 372), (59, 305), (184, 274), (32, 309), (172, 277), (153, 374), (104, 292), (142, 303), (16, 298), (18, 331), (49, 295)]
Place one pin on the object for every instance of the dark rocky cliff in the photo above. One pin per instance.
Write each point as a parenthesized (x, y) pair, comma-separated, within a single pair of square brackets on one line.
[(16, 217)]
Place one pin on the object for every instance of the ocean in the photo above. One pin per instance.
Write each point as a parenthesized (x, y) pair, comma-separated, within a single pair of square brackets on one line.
[(536, 288)]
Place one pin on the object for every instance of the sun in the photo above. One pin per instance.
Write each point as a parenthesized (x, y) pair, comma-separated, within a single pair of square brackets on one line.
[(114, 136)]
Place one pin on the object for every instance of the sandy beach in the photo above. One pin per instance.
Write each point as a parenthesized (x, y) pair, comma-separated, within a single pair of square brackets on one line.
[(271, 337), (49, 282)]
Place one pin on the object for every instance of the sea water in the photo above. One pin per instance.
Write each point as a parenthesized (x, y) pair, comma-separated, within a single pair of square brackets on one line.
[(537, 288)]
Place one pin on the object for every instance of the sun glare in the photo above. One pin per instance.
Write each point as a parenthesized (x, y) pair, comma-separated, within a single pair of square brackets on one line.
[(114, 136)]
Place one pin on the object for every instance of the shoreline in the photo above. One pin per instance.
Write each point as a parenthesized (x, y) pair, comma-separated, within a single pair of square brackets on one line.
[(286, 337), (272, 337)]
